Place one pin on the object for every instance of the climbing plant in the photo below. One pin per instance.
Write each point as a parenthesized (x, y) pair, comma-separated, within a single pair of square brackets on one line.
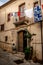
[(29, 36)]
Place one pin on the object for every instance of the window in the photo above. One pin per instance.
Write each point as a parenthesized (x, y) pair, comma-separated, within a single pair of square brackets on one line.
[(8, 17), (21, 9), (2, 27), (36, 4), (6, 38)]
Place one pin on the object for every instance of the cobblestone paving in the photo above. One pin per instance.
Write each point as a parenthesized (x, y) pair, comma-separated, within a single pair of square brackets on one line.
[(9, 58)]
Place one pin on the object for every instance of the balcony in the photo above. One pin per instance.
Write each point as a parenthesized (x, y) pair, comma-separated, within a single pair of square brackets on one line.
[(22, 21)]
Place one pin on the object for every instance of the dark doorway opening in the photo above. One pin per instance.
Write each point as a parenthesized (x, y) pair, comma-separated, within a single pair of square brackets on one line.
[(24, 40)]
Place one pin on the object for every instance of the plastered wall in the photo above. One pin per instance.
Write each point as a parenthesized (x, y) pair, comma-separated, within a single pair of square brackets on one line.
[(36, 42)]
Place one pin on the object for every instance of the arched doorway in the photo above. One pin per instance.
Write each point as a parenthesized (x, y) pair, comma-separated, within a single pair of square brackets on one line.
[(22, 42)]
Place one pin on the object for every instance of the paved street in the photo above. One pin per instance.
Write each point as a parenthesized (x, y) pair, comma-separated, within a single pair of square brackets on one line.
[(9, 59)]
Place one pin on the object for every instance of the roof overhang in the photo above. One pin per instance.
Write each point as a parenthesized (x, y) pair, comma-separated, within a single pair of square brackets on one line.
[(5, 3)]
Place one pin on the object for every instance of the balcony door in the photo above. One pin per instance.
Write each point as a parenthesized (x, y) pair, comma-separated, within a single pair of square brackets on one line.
[(21, 9)]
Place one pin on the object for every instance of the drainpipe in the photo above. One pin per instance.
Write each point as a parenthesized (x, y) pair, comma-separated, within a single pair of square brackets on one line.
[(41, 35)]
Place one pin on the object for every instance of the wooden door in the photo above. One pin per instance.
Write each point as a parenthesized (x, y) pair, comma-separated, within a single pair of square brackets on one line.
[(20, 41)]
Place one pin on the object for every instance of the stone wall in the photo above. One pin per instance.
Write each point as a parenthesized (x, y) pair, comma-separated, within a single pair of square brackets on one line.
[(11, 31)]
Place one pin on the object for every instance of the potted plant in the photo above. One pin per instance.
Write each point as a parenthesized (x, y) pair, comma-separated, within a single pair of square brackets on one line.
[(27, 53)]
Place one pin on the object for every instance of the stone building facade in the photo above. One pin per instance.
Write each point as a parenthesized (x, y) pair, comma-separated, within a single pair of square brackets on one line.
[(12, 33)]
